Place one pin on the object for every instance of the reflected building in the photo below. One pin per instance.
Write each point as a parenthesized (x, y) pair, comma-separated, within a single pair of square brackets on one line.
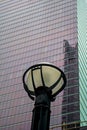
[(71, 109), (33, 31)]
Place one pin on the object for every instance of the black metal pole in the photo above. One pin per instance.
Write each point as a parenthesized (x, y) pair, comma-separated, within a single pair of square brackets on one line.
[(41, 112)]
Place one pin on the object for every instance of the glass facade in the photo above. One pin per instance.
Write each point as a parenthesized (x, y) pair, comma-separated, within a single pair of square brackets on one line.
[(32, 32), (82, 52)]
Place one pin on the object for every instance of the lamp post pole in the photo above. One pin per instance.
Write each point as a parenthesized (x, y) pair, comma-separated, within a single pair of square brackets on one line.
[(41, 111)]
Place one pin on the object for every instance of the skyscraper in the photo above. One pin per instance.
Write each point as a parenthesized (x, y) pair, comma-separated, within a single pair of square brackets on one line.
[(82, 54), (42, 31)]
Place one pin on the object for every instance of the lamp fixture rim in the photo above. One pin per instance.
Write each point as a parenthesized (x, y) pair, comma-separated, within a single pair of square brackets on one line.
[(31, 94)]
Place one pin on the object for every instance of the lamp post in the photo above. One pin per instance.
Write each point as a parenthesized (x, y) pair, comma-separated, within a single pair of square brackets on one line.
[(43, 82)]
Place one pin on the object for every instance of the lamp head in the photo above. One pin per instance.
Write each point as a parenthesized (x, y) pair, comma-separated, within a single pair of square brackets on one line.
[(43, 77)]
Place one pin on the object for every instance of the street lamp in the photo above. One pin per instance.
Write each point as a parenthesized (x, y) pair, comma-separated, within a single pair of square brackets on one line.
[(43, 82)]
